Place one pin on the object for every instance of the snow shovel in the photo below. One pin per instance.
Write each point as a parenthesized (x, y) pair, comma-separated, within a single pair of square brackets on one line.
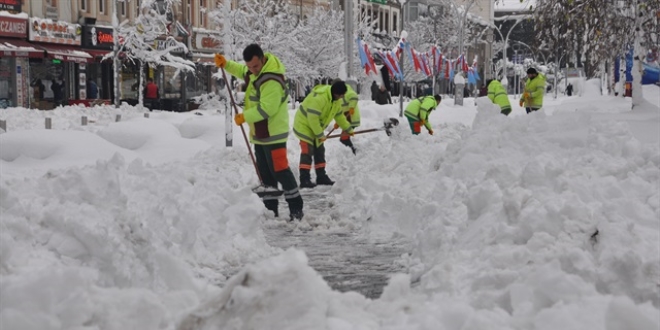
[(262, 190), (387, 127)]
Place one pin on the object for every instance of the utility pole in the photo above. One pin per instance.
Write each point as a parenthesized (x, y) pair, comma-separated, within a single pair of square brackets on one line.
[(349, 39), (402, 34), (229, 132), (115, 49)]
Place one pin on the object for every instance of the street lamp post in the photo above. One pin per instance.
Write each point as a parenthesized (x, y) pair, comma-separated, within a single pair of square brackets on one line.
[(401, 35), (519, 19)]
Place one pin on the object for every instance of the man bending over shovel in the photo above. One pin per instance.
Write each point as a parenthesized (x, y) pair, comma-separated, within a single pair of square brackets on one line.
[(418, 111), (315, 113)]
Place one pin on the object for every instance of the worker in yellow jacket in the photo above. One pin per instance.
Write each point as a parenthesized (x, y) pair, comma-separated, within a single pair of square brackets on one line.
[(497, 94), (532, 97), (315, 113), (418, 111), (267, 115)]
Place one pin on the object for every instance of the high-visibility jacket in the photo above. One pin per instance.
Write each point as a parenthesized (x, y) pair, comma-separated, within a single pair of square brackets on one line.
[(349, 106), (420, 108), (497, 94), (315, 114), (536, 89), (265, 100)]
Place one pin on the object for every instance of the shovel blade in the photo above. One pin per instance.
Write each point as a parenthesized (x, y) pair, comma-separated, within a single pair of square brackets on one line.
[(389, 124), (263, 191)]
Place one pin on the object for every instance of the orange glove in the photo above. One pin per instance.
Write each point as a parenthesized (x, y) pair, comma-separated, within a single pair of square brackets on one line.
[(521, 103), (239, 119), (431, 131), (352, 111), (336, 126), (220, 61), (422, 121), (526, 95), (351, 132)]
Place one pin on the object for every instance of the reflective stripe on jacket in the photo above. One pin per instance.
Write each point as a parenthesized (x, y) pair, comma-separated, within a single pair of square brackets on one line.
[(536, 89), (265, 100), (350, 101), (497, 94), (419, 109), (315, 114)]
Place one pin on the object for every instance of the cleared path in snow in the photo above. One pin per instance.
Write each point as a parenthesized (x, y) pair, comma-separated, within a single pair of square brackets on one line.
[(347, 260)]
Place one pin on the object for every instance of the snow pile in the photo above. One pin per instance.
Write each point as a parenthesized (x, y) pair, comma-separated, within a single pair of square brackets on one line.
[(541, 221)]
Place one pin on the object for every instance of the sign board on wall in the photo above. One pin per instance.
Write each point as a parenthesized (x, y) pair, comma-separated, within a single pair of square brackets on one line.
[(46, 30), (165, 44), (13, 27), (11, 5), (97, 37), (208, 42)]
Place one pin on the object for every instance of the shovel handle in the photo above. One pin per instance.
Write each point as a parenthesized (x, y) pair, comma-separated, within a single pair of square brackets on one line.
[(356, 132)]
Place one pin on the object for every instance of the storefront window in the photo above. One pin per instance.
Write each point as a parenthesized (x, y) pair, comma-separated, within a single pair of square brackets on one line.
[(130, 81), (197, 83), (47, 84), (6, 83), (171, 83)]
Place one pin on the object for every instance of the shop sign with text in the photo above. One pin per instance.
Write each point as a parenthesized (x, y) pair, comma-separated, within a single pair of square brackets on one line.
[(46, 30), (97, 37), (11, 5), (13, 27), (207, 41)]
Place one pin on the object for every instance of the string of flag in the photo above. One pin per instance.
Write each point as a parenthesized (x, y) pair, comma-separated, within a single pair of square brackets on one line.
[(424, 62)]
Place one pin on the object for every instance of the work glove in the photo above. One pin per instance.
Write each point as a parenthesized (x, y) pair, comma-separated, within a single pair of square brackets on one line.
[(336, 126), (351, 132), (322, 140), (526, 95), (220, 61), (239, 119), (431, 131), (422, 121), (351, 111), (521, 103)]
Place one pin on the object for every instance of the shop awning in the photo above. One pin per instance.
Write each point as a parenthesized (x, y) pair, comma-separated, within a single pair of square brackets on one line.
[(19, 48), (67, 54)]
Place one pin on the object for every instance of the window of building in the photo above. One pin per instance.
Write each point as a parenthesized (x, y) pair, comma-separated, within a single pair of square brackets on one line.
[(202, 13), (189, 11), (123, 8), (83, 5), (395, 21), (102, 6), (380, 21), (387, 22)]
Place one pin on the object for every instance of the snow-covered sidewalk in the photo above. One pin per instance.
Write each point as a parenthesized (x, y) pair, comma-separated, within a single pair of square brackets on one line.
[(541, 221)]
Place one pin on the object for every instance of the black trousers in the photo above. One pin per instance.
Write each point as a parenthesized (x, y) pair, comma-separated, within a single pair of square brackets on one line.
[(274, 168), (311, 154)]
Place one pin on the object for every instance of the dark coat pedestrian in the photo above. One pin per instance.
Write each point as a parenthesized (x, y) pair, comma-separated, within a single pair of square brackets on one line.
[(92, 90), (382, 96)]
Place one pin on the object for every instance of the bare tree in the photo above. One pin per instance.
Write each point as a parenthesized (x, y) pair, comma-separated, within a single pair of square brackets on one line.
[(148, 40), (595, 31)]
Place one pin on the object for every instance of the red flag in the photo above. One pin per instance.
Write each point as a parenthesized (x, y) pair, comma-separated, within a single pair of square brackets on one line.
[(447, 68), (371, 60)]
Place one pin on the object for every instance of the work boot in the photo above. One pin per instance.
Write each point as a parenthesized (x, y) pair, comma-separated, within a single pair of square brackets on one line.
[(324, 180), (271, 205), (296, 215), (306, 180), (307, 183)]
